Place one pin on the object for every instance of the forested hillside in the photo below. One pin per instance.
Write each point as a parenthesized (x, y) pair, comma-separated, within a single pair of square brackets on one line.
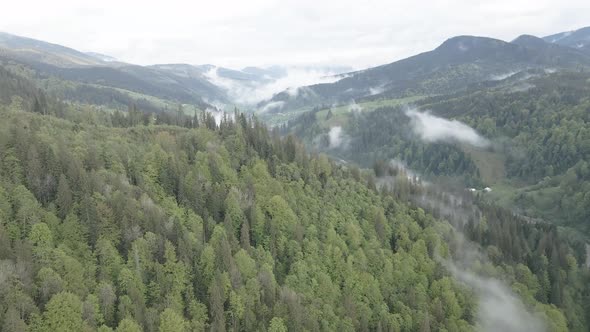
[(544, 133), (170, 222), (383, 134), (536, 123), (79, 77)]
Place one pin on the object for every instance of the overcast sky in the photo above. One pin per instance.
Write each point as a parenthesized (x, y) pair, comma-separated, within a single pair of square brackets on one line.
[(291, 32)]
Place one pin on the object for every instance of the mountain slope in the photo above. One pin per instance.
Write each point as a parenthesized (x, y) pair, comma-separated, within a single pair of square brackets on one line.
[(578, 39), (456, 64)]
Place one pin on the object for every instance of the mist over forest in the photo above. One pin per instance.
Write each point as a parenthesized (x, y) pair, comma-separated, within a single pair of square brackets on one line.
[(294, 167)]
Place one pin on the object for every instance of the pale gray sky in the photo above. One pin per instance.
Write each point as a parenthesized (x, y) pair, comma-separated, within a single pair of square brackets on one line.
[(290, 32)]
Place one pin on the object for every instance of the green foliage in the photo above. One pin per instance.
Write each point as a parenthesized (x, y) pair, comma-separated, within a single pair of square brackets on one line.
[(63, 313), (544, 133), (538, 124), (128, 325), (170, 321), (161, 227), (277, 325)]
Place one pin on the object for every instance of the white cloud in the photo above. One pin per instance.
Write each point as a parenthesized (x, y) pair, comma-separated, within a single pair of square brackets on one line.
[(264, 32), (432, 128)]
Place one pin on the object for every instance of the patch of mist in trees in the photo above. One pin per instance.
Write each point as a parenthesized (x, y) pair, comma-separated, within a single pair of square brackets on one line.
[(353, 107), (500, 77), (334, 139), (431, 128), (449, 201), (499, 308), (220, 115), (335, 136), (376, 90), (274, 106)]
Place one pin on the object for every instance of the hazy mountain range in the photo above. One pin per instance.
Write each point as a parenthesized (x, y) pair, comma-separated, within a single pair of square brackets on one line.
[(456, 64), (200, 85)]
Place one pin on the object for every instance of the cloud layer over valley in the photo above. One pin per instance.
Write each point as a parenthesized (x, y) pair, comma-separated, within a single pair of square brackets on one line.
[(251, 92)]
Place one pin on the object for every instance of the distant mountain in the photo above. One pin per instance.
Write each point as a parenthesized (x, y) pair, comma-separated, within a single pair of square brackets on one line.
[(36, 50), (578, 39), (132, 78), (546, 54), (101, 77), (456, 64)]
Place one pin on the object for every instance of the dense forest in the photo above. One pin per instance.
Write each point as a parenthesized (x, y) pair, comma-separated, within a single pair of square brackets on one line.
[(162, 227), (509, 240), (168, 222)]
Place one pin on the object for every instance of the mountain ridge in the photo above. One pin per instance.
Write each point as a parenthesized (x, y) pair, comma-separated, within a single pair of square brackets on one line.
[(455, 64)]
